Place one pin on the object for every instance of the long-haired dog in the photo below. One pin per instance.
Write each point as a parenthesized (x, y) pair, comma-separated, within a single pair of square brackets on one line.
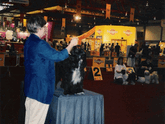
[(147, 77), (71, 71), (154, 77)]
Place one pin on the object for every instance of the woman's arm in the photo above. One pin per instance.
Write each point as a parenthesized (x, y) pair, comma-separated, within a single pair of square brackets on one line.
[(73, 43), (48, 52)]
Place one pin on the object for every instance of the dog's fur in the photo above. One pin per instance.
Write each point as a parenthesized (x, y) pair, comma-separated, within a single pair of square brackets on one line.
[(147, 77), (154, 77), (71, 71)]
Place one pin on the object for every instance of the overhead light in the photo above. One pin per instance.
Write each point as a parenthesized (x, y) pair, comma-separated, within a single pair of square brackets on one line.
[(147, 4), (65, 5), (1, 8), (154, 18), (7, 4), (126, 14), (77, 17)]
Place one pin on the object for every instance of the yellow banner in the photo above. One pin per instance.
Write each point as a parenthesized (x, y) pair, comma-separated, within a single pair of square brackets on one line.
[(24, 22), (97, 73), (108, 11), (98, 62), (63, 22)]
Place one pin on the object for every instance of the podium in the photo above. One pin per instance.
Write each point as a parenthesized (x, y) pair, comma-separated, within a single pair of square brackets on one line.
[(76, 109)]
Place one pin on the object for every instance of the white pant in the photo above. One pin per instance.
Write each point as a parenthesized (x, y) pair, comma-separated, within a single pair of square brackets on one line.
[(36, 111)]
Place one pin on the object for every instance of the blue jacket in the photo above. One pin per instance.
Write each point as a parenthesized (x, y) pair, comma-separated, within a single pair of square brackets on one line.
[(39, 60)]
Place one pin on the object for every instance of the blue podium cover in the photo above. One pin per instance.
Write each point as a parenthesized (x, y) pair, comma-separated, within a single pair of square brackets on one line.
[(76, 109)]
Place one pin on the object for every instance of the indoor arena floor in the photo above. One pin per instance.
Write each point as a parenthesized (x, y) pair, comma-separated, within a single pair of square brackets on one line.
[(129, 104)]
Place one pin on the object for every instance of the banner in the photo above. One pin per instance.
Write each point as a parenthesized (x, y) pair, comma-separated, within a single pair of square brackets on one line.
[(21, 17), (108, 11), (24, 22), (78, 7), (98, 62), (132, 11), (46, 18), (63, 22)]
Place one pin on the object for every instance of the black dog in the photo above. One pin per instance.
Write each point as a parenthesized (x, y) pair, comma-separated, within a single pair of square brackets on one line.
[(71, 71)]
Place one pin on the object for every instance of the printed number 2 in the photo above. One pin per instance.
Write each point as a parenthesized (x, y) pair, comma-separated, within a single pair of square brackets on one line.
[(96, 74)]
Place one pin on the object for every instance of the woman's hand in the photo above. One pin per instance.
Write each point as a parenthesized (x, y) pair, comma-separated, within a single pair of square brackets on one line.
[(74, 41)]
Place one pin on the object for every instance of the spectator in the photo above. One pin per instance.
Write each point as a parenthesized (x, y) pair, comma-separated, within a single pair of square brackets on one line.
[(146, 72), (112, 49), (109, 47), (131, 55), (121, 76), (157, 50), (85, 46), (55, 44), (145, 52), (164, 51), (117, 49), (50, 42), (60, 46), (101, 49)]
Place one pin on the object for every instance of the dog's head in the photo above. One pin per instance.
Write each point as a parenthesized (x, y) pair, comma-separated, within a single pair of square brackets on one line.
[(146, 72)]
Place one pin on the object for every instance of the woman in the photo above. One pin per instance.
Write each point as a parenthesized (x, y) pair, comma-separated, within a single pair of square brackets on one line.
[(121, 76), (39, 58), (101, 49)]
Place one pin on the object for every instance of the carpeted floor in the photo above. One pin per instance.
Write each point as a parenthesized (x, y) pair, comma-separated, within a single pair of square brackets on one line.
[(129, 104)]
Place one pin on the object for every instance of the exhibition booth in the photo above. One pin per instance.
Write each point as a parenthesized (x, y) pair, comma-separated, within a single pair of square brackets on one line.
[(108, 35)]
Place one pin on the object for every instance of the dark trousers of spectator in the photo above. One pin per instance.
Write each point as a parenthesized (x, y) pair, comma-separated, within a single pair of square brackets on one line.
[(117, 54), (118, 81), (131, 77)]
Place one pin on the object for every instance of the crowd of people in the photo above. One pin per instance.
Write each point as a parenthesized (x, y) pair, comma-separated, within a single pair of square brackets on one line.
[(110, 47), (144, 72)]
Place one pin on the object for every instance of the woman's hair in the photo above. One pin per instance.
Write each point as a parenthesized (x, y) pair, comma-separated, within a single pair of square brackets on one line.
[(119, 60), (34, 23)]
